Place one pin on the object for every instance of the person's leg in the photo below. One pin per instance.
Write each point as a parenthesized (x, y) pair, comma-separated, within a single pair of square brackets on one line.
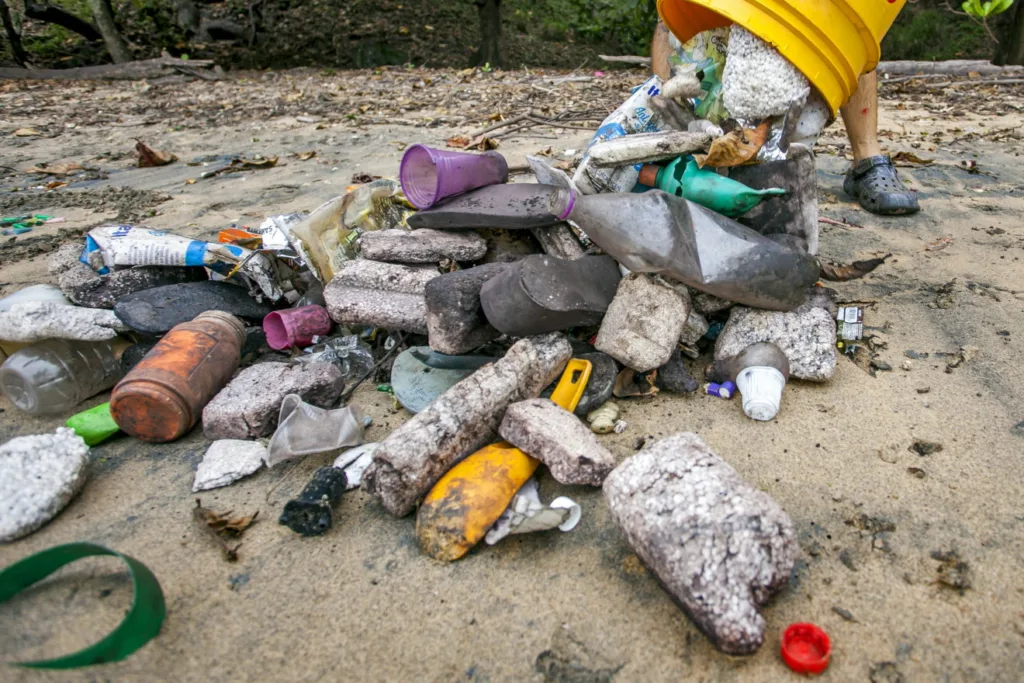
[(660, 52), (872, 181), (860, 115)]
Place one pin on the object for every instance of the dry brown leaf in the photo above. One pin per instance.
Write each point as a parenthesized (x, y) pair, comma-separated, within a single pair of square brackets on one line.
[(857, 269), (53, 185), (908, 158), (629, 382), (458, 141), (149, 157), (57, 169), (939, 244), (223, 522), (305, 156), (218, 525), (735, 148), (361, 178), (26, 133), (464, 142)]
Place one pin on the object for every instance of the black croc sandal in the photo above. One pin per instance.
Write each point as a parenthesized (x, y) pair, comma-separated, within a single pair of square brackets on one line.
[(873, 182)]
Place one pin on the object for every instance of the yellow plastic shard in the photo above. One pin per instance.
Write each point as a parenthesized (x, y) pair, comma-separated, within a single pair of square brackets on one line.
[(470, 497)]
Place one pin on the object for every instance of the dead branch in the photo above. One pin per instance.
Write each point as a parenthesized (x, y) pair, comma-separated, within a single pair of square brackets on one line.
[(128, 71), (976, 81), (626, 59), (499, 124), (953, 67), (55, 15), (13, 37)]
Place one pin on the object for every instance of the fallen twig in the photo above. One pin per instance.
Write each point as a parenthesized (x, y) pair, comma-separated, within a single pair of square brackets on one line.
[(499, 124), (626, 59), (914, 77), (557, 124), (843, 224), (570, 79), (952, 67), (975, 81), (376, 366), (852, 271), (990, 135)]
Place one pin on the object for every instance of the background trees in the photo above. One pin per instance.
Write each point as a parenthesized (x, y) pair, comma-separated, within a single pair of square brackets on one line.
[(366, 33)]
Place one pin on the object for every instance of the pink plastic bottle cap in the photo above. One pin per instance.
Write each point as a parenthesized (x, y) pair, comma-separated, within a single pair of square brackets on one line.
[(296, 327)]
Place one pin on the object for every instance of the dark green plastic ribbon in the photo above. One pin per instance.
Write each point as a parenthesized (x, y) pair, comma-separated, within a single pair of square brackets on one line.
[(140, 625)]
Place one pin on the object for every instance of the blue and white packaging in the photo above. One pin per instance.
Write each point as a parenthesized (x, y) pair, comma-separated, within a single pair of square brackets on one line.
[(128, 245), (635, 115)]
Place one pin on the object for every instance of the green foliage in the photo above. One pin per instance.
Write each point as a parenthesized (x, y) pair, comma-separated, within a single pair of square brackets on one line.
[(52, 43), (624, 24), (977, 8), (936, 34), (369, 33)]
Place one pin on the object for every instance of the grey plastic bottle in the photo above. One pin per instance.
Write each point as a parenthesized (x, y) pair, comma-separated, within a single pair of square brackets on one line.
[(516, 206), (761, 354), (656, 232), (55, 375)]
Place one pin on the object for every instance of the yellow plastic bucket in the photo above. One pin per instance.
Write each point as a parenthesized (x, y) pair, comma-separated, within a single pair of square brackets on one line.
[(832, 42)]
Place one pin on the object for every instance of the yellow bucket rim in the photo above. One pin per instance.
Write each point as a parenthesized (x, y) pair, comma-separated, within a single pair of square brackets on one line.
[(829, 61)]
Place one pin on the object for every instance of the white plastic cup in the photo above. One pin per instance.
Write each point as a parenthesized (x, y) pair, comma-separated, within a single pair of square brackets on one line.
[(761, 387)]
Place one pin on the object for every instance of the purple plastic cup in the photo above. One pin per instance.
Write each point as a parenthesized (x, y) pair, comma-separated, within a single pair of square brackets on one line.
[(429, 175), (296, 326)]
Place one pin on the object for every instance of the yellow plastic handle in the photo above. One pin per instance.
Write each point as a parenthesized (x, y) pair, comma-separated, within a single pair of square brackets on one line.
[(574, 380)]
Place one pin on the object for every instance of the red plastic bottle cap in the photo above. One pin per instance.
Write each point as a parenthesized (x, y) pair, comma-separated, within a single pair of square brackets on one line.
[(806, 648)]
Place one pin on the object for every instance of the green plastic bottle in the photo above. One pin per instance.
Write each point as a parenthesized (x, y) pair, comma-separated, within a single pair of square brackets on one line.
[(94, 425), (683, 178)]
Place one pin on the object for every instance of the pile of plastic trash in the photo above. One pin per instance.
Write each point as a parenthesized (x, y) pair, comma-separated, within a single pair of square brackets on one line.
[(686, 233)]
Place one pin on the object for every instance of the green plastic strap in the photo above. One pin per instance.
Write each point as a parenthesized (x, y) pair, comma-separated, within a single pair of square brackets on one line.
[(140, 625)]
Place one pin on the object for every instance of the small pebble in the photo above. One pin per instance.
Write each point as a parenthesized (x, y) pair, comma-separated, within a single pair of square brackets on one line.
[(923, 448), (907, 365), (887, 455), (844, 613)]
